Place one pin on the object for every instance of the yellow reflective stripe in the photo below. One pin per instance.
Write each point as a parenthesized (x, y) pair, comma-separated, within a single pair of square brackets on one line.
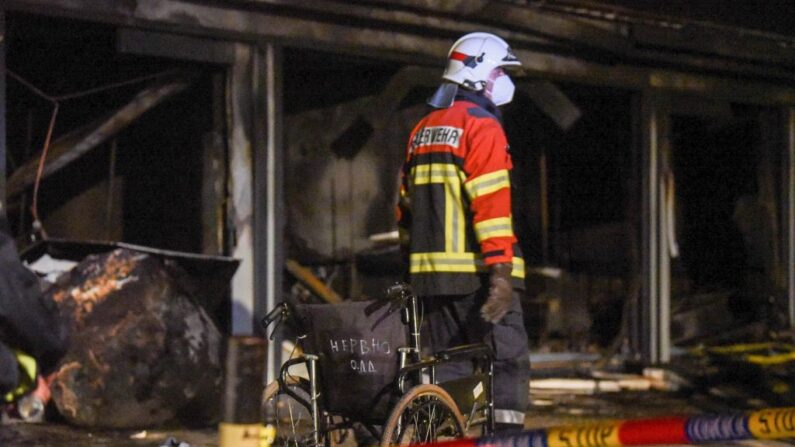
[(450, 225), (456, 263), (518, 267), (433, 173), (449, 175), (497, 227), (27, 376), (454, 219), (461, 222), (445, 262), (487, 183)]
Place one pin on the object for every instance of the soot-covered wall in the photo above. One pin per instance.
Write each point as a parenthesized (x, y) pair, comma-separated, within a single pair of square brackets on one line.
[(143, 184), (347, 122)]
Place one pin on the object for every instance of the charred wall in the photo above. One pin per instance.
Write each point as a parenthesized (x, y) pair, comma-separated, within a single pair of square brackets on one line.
[(142, 183)]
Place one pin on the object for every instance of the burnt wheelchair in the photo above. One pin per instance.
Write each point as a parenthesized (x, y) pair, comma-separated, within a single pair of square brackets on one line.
[(363, 365)]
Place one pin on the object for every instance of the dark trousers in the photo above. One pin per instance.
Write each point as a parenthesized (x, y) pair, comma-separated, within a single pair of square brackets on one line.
[(9, 370), (456, 320)]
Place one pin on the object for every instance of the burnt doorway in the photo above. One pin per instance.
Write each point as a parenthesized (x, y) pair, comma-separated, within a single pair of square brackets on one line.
[(125, 161), (576, 197), (727, 278)]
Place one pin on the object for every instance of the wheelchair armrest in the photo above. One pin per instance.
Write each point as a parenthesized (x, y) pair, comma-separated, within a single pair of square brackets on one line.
[(466, 351)]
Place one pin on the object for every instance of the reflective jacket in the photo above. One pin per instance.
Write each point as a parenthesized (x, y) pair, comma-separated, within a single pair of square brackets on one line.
[(454, 212)]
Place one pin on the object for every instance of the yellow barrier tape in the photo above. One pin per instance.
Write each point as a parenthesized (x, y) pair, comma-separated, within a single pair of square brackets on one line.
[(772, 423), (591, 435)]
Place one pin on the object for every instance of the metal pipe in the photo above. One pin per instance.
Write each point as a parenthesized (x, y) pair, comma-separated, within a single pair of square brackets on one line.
[(414, 322), (312, 370), (664, 167), (284, 379), (415, 332), (649, 252), (403, 353), (649, 331), (490, 423), (273, 188)]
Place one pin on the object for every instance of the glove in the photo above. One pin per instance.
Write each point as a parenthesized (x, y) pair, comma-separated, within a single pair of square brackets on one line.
[(500, 293)]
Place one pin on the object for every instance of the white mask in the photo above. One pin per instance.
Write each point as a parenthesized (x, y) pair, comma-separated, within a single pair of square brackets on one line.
[(499, 87)]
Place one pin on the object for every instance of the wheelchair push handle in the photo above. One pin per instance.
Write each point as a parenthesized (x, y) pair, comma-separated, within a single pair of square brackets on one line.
[(399, 291), (278, 314), (397, 297)]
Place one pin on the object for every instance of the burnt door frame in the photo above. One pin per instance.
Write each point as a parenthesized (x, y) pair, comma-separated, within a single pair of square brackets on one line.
[(255, 166), (651, 316)]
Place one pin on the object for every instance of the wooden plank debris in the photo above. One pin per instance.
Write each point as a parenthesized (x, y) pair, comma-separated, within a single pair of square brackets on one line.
[(308, 279)]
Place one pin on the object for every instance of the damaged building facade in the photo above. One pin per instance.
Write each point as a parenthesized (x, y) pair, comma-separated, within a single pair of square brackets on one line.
[(654, 152)]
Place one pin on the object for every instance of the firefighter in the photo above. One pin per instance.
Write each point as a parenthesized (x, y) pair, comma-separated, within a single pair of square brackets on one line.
[(455, 220), (32, 337)]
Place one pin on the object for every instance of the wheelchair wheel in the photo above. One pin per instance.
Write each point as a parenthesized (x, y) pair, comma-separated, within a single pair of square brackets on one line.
[(293, 420), (426, 413)]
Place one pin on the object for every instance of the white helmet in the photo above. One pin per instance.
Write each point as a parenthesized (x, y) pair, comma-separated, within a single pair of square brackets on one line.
[(471, 62)]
